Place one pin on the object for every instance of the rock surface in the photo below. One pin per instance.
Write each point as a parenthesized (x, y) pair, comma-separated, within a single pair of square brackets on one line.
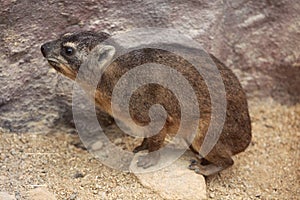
[(6, 196), (40, 194), (175, 181), (259, 40)]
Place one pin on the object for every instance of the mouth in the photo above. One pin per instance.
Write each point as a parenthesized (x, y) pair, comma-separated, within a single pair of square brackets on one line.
[(55, 64), (61, 68)]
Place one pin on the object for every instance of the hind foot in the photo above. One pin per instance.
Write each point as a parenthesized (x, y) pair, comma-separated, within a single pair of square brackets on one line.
[(207, 168)]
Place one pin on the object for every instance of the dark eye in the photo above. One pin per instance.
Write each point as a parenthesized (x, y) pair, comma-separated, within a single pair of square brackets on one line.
[(69, 51)]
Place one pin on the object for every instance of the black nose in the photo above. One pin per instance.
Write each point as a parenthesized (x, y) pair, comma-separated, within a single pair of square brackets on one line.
[(45, 49)]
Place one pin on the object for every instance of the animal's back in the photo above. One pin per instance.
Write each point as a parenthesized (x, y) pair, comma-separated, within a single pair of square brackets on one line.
[(236, 134)]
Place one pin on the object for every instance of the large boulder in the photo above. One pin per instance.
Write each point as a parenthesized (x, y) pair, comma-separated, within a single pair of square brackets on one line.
[(259, 40)]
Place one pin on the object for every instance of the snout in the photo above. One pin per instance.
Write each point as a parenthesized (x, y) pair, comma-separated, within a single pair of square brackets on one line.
[(45, 49)]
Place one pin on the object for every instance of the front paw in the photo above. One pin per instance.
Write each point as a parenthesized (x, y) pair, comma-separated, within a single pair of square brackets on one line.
[(148, 160)]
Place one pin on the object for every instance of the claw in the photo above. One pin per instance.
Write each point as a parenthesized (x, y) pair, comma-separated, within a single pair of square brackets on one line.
[(197, 171), (191, 167), (193, 162)]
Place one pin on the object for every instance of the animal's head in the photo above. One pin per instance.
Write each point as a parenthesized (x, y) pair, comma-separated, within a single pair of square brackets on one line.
[(67, 53)]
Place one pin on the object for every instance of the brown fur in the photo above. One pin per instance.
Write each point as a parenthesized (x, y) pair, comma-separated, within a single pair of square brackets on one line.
[(236, 133)]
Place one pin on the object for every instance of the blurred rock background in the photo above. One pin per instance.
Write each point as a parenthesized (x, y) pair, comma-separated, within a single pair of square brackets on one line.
[(258, 40)]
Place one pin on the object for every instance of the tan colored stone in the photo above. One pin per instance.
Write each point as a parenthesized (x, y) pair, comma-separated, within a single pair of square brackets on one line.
[(6, 196), (175, 181), (40, 194)]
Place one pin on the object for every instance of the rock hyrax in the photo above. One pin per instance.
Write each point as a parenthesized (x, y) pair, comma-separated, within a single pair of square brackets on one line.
[(67, 53)]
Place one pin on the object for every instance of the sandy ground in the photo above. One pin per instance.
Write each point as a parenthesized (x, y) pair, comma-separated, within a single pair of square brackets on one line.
[(268, 169)]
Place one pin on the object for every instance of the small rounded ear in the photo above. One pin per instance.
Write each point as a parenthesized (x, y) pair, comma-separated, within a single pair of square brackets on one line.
[(103, 54), (106, 53), (98, 59)]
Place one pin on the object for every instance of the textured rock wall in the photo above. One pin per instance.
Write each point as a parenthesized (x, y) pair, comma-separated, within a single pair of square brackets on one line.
[(259, 40)]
